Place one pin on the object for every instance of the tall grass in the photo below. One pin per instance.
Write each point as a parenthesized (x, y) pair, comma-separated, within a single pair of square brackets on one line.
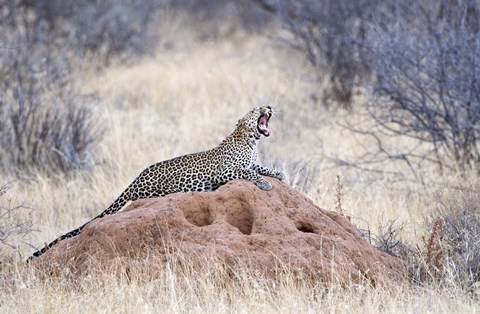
[(152, 286)]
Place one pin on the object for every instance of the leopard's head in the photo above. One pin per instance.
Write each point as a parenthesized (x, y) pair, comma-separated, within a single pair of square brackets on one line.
[(255, 122)]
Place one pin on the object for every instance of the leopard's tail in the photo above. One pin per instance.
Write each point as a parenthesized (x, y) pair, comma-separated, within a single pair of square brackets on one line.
[(47, 247), (123, 199)]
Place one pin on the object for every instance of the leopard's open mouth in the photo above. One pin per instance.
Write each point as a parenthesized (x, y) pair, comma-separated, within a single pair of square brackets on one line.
[(262, 124)]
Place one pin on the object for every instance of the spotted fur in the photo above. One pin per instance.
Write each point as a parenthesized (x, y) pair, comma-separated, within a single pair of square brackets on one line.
[(234, 158)]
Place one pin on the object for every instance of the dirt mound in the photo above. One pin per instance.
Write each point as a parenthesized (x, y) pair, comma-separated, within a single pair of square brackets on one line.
[(238, 224)]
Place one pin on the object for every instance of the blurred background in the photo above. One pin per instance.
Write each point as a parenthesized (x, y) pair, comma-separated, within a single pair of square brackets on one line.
[(377, 102)]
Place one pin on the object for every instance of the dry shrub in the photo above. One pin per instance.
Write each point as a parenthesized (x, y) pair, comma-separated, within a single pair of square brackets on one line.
[(338, 195), (415, 61), (449, 252), (387, 238), (47, 123), (427, 88), (54, 137), (331, 35), (15, 224), (104, 28), (447, 255)]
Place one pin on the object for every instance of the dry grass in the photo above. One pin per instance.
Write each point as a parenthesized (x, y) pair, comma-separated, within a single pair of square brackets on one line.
[(161, 287), (188, 98)]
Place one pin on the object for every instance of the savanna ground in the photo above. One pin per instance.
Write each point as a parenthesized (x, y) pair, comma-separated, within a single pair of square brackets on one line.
[(186, 96)]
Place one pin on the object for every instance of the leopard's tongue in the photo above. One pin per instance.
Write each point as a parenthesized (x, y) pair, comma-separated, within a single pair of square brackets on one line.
[(263, 127)]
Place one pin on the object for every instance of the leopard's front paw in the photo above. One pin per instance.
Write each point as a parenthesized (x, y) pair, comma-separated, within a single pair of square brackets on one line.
[(279, 175), (263, 184)]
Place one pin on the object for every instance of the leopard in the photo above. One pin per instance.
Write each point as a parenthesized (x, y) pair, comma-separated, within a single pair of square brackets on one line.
[(234, 158)]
